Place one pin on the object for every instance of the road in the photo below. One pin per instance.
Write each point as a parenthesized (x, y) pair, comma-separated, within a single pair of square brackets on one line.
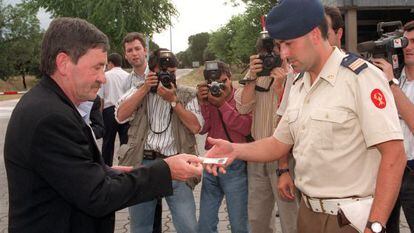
[(122, 221)]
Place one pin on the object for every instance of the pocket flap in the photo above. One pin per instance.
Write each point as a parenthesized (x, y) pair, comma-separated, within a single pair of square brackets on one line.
[(292, 115), (331, 115)]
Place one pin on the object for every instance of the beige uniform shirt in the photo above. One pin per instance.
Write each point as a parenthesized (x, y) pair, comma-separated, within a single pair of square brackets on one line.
[(334, 125)]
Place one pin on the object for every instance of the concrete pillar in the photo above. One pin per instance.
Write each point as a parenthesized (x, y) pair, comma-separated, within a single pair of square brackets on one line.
[(351, 30)]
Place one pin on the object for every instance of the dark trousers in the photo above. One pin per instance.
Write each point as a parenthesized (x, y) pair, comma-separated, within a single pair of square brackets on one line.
[(157, 227), (111, 129), (406, 201)]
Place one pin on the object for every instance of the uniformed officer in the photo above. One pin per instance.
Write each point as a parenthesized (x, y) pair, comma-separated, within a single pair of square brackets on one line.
[(341, 121)]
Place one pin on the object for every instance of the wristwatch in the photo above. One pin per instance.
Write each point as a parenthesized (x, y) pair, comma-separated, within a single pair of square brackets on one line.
[(174, 103), (394, 81), (376, 227), (279, 172)]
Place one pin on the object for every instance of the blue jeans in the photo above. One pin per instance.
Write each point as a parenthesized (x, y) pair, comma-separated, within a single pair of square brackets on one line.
[(181, 204), (233, 185), (406, 201)]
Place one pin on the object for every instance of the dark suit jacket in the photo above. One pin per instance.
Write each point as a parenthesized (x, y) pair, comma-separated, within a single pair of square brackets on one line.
[(56, 177)]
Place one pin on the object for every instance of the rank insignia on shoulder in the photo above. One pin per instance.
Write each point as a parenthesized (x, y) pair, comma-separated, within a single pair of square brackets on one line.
[(354, 63)]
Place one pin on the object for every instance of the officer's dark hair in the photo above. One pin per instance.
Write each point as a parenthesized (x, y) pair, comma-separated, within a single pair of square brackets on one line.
[(115, 59), (335, 14), (323, 27), (409, 26), (133, 36), (153, 59), (72, 36)]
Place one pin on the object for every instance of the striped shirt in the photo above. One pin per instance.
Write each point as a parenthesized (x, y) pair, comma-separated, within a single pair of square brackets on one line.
[(159, 113)]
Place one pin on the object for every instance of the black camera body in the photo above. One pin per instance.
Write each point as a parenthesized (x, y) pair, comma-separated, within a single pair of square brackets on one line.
[(269, 59), (212, 74), (389, 46), (166, 60)]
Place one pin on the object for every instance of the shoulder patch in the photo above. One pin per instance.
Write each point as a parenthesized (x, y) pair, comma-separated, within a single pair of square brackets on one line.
[(298, 77), (354, 63)]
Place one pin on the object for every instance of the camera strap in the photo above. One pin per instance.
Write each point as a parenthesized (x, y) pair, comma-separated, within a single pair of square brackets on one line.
[(149, 120), (224, 126)]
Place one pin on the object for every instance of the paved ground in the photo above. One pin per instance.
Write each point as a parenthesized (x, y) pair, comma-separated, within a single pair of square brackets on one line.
[(122, 217)]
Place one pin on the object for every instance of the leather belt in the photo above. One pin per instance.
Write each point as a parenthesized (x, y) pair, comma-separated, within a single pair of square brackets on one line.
[(152, 155), (329, 206)]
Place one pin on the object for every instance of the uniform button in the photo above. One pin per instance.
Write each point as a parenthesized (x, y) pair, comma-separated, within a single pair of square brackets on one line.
[(327, 116), (303, 127), (307, 101)]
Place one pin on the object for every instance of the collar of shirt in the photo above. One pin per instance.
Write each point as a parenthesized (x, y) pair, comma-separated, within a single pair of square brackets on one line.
[(84, 110), (328, 72), (136, 79)]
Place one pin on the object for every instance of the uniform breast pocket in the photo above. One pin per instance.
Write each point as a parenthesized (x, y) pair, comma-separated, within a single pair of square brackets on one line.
[(292, 117), (323, 125)]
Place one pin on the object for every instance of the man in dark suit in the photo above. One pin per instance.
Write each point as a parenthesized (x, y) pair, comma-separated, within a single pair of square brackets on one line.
[(56, 177)]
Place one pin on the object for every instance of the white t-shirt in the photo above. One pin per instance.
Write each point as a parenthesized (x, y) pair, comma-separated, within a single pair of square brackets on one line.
[(117, 83), (408, 88)]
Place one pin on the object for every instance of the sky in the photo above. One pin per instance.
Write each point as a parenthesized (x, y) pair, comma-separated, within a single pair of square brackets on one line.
[(194, 16)]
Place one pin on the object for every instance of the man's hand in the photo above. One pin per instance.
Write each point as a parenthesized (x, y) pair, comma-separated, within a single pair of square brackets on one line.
[(184, 166), (150, 81), (255, 66), (279, 74), (123, 168), (385, 66), (286, 187), (202, 92), (167, 94), (221, 148)]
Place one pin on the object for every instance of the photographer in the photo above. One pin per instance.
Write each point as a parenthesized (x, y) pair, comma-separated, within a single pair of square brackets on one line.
[(403, 91), (163, 120), (218, 107), (261, 95)]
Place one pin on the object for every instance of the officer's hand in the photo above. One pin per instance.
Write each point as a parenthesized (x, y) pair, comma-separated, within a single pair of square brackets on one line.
[(202, 92), (184, 166), (279, 74), (286, 187), (255, 66), (221, 149), (167, 94), (150, 81), (385, 66), (217, 101)]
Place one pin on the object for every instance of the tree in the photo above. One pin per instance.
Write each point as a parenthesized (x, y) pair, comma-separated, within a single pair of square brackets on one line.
[(20, 38), (114, 17), (197, 45)]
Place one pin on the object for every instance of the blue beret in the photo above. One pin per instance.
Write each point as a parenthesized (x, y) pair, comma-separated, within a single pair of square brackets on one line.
[(291, 19)]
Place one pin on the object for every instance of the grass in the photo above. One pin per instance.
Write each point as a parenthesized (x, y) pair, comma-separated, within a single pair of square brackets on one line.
[(10, 97), (196, 76)]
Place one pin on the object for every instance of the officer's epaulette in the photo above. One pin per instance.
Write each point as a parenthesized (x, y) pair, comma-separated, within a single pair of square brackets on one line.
[(354, 63), (297, 78)]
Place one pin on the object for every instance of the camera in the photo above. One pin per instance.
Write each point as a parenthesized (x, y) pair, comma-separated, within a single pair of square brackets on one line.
[(269, 59), (212, 73), (389, 46), (215, 87), (166, 60)]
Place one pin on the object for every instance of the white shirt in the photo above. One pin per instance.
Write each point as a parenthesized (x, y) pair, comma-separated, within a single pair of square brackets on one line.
[(408, 88), (117, 83)]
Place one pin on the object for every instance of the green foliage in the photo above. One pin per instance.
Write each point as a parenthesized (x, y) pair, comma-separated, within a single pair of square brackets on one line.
[(20, 38), (197, 45), (114, 17), (184, 59)]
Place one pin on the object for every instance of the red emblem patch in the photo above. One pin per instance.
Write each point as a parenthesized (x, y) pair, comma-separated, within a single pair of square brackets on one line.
[(378, 98)]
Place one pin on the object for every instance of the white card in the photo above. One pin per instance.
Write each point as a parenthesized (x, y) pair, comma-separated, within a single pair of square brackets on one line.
[(219, 161)]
